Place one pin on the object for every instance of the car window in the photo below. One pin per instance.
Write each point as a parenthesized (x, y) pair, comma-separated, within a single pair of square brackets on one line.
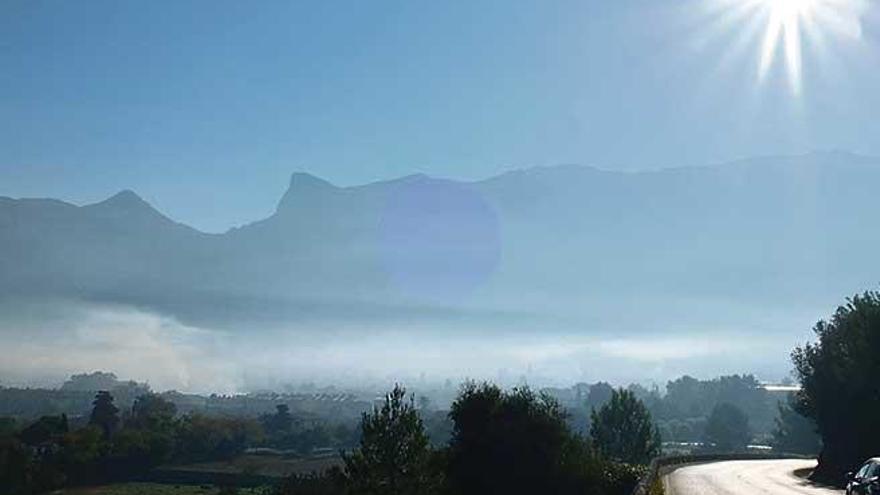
[(863, 471), (873, 470)]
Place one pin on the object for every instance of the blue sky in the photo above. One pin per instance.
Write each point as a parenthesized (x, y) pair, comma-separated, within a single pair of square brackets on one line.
[(205, 108)]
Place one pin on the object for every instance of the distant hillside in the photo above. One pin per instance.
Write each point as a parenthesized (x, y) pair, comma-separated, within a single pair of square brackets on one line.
[(570, 246)]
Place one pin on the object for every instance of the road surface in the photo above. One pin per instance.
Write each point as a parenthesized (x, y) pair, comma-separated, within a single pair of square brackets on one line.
[(772, 477)]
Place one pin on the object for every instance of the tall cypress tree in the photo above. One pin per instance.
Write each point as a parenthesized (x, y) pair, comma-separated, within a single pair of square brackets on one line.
[(105, 415)]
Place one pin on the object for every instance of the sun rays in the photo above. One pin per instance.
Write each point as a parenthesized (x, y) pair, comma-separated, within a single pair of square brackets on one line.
[(784, 30), (786, 27)]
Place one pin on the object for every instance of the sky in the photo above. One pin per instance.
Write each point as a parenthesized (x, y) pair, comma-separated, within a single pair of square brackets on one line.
[(205, 108)]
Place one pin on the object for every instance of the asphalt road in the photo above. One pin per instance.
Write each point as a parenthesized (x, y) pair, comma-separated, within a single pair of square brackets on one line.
[(774, 477)]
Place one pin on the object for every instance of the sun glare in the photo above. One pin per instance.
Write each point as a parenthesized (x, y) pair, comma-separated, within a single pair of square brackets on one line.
[(785, 26)]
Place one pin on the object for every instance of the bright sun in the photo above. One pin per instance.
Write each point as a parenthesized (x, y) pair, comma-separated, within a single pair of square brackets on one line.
[(784, 28), (785, 25)]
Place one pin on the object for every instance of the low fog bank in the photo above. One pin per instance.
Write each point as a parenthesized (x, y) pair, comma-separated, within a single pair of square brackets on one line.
[(45, 342)]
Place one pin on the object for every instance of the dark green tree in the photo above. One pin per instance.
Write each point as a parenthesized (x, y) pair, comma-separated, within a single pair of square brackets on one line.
[(7, 426), (205, 438), (152, 412), (280, 422), (795, 433), (727, 428), (148, 436), (623, 430), (80, 456), (16, 467), (516, 442), (840, 386), (44, 429), (105, 415), (393, 457)]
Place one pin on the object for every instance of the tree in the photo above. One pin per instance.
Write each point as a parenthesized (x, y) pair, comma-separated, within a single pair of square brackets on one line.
[(795, 433), (7, 426), (393, 457), (91, 382), (623, 430), (16, 466), (207, 438), (840, 389), (278, 423), (105, 415), (152, 412), (148, 437), (599, 394), (516, 442), (44, 429), (727, 428), (80, 457), (688, 397)]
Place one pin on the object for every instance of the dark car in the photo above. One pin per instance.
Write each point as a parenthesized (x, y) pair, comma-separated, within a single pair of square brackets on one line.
[(865, 481)]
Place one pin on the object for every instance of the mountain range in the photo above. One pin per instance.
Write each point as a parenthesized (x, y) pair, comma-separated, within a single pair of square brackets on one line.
[(566, 247)]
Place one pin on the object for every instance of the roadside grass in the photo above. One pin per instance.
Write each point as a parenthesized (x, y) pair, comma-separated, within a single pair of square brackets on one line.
[(657, 487), (803, 473)]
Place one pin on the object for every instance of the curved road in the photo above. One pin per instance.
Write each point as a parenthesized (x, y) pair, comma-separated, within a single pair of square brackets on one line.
[(771, 477)]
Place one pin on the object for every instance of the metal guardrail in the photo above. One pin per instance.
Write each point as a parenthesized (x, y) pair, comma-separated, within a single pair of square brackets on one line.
[(653, 475)]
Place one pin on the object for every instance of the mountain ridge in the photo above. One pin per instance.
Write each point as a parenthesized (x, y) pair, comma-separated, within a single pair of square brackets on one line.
[(301, 181), (566, 244)]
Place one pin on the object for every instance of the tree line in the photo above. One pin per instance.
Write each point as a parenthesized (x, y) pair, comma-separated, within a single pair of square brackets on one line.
[(119, 444), (515, 441), (502, 441)]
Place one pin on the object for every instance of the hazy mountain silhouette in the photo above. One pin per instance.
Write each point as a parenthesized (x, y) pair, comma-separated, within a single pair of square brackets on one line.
[(574, 245)]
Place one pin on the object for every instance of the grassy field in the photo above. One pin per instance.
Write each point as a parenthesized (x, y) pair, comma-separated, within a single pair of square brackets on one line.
[(150, 489), (264, 465)]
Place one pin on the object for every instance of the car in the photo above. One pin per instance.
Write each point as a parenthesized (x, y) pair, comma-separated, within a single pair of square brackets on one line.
[(865, 481)]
